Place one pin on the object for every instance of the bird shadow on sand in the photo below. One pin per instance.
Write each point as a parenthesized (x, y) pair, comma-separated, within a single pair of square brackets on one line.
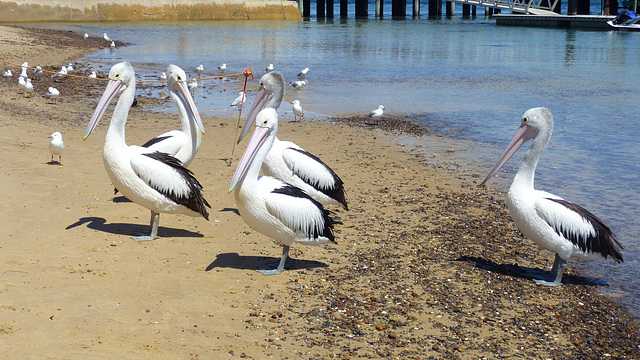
[(235, 211), (235, 261), (101, 224), (53, 163), (121, 199), (527, 273)]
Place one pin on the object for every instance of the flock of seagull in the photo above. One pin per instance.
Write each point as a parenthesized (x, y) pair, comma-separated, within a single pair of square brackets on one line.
[(288, 203)]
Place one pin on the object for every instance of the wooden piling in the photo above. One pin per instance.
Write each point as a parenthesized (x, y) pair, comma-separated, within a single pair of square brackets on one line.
[(466, 10), (362, 8), (416, 8), (379, 8), (435, 8), (399, 9), (344, 5), (330, 7), (320, 4), (450, 9), (306, 8)]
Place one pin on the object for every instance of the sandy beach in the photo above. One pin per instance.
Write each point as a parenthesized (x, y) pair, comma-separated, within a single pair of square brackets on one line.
[(427, 264)]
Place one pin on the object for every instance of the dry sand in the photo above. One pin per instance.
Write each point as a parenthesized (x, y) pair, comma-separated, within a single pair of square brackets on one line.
[(427, 264)]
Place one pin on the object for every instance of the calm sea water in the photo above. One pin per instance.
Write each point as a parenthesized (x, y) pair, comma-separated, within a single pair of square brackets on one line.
[(468, 79)]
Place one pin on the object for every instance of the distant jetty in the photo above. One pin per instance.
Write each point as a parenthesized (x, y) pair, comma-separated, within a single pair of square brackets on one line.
[(147, 10)]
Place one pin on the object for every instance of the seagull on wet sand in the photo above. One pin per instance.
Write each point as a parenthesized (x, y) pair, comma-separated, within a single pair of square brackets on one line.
[(298, 84), (297, 111), (53, 93), (104, 35), (377, 112), (239, 101), (303, 73), (56, 146), (222, 67), (7, 73)]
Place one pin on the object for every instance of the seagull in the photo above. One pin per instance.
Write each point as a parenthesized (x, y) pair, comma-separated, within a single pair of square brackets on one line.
[(200, 69), (61, 73), (113, 46), (269, 68), (56, 146), (555, 224), (7, 73), (22, 82), (377, 112), (239, 101), (86, 35), (303, 73), (38, 71), (28, 86), (297, 110), (93, 75), (104, 35), (289, 162), (70, 68), (155, 180), (53, 93), (274, 208), (163, 76), (222, 67), (25, 66), (193, 86), (298, 84), (183, 144), (24, 74)]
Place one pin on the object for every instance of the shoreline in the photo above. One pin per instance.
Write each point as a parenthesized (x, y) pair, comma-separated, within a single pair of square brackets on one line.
[(426, 264)]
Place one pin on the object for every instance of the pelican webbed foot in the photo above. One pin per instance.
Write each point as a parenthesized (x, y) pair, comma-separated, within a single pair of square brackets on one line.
[(155, 220), (559, 264), (281, 264)]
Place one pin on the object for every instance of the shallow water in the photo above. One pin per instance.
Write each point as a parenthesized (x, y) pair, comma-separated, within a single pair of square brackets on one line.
[(468, 79)]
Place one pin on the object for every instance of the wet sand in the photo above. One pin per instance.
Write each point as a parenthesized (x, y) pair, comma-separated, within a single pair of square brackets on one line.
[(427, 264)]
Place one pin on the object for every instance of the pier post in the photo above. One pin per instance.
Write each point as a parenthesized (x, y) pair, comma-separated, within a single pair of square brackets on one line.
[(379, 8), (583, 7), (450, 9), (330, 9), (416, 8), (362, 9), (572, 7), (488, 12), (343, 8), (435, 8), (301, 7), (320, 9), (398, 9), (306, 8), (466, 10)]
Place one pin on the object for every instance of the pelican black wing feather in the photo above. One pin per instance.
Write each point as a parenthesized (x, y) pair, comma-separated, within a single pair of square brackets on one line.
[(315, 231), (194, 200), (335, 192), (603, 241), (154, 141)]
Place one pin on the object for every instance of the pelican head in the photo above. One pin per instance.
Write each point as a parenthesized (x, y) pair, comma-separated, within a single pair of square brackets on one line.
[(266, 129), (177, 82), (121, 76), (535, 123), (269, 95)]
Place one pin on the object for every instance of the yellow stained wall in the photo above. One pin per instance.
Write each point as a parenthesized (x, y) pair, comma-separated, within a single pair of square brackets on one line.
[(145, 10)]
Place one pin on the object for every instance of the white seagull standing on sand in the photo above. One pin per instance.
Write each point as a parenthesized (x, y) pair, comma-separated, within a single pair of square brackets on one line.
[(199, 69), (56, 146), (377, 112), (239, 101), (86, 35), (61, 73), (7, 73), (38, 71), (152, 179), (112, 46), (303, 74), (93, 75), (555, 224), (163, 76), (269, 68), (52, 93), (289, 162), (274, 208), (183, 144), (193, 86), (104, 35), (70, 68), (28, 86), (297, 110), (222, 67)]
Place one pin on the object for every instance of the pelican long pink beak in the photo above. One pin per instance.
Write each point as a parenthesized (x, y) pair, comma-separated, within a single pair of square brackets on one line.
[(113, 87), (182, 89), (263, 96), (260, 135), (524, 134)]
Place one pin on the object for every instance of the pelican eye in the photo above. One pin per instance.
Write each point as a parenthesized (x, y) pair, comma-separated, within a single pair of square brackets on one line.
[(179, 78), (525, 120), (117, 76)]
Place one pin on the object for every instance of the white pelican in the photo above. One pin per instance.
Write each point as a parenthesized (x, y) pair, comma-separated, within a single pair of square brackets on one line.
[(377, 112), (297, 110), (276, 209), (56, 146), (104, 35), (183, 144), (553, 223), (7, 73), (269, 68), (152, 179), (288, 161), (52, 93), (239, 101), (302, 74), (298, 84), (222, 67)]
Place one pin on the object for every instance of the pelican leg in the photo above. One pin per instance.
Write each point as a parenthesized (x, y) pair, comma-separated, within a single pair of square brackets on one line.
[(559, 264), (155, 220), (280, 268)]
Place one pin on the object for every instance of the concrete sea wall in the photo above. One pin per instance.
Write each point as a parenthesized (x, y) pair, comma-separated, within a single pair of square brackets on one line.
[(146, 10)]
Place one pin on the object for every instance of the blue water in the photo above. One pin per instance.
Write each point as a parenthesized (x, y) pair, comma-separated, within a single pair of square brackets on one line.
[(469, 79)]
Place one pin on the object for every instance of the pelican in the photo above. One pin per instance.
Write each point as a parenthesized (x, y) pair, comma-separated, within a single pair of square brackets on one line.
[(56, 146), (183, 144), (288, 161), (298, 84), (269, 68), (297, 110), (274, 208), (222, 67), (302, 74), (377, 112), (152, 179), (239, 101), (52, 93), (555, 224)]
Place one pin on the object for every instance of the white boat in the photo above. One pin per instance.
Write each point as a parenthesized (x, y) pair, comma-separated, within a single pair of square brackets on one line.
[(625, 20)]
